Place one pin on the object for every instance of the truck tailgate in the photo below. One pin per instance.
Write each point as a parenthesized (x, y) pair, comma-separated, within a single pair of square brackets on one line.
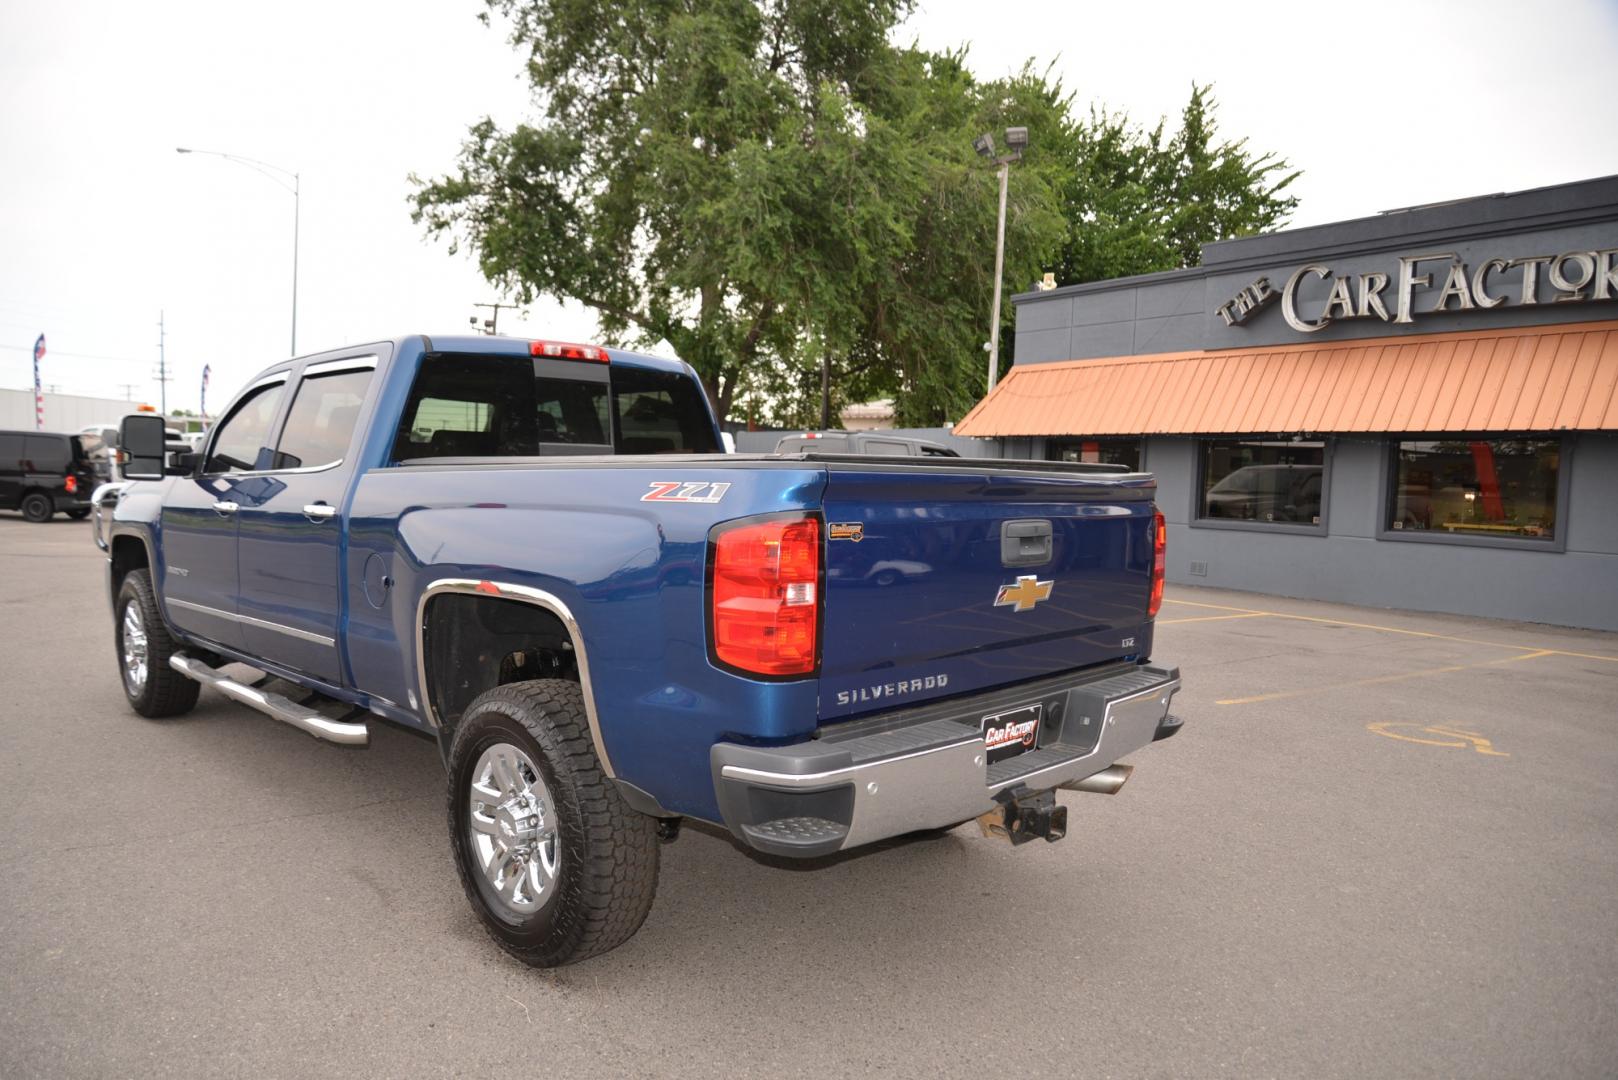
[(935, 584)]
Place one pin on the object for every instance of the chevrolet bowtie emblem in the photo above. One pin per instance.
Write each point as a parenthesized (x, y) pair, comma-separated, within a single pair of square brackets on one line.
[(1025, 594)]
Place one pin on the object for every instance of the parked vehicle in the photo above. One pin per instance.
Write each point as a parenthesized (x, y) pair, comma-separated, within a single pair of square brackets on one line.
[(862, 442), (535, 554), (44, 472), (106, 454), (1268, 493)]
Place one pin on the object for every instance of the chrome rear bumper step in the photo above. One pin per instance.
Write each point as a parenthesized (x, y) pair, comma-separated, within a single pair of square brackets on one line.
[(281, 708)]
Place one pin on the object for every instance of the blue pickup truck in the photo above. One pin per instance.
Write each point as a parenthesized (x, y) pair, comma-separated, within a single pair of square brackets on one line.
[(536, 554)]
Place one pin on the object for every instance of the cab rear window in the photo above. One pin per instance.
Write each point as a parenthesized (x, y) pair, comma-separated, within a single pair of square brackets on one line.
[(515, 406)]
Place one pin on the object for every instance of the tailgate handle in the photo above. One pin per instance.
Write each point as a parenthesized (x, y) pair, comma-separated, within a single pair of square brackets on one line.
[(1025, 543)]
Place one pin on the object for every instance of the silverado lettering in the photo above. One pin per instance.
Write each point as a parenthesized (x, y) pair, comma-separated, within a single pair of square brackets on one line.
[(892, 689)]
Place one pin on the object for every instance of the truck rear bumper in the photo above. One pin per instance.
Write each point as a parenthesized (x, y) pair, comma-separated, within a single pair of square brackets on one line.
[(930, 767)]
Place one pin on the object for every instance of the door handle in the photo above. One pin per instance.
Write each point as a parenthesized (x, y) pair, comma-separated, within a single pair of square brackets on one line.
[(319, 512), (1025, 543), (224, 508)]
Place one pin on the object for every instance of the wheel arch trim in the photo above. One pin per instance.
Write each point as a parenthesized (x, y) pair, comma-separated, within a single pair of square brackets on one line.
[(539, 598)]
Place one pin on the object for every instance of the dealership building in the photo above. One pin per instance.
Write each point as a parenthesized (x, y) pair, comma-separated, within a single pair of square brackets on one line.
[(1414, 410)]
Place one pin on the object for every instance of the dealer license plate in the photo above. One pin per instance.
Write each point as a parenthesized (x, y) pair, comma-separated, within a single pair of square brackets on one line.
[(1013, 732)]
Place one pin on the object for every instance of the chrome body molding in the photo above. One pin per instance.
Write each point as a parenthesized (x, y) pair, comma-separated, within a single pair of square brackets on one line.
[(951, 781), (218, 613), (527, 595), (274, 705)]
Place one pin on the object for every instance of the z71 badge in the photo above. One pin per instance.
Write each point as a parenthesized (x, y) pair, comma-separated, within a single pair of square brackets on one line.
[(681, 492)]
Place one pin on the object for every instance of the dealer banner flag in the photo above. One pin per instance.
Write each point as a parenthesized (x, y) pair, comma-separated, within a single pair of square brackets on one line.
[(202, 405), (39, 393)]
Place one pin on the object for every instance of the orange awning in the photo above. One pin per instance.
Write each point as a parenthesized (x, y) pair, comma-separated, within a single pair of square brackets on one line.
[(1544, 378)]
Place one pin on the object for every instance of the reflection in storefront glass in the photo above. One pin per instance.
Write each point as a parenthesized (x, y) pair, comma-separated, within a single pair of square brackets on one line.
[(1266, 480), (1106, 451), (1476, 487)]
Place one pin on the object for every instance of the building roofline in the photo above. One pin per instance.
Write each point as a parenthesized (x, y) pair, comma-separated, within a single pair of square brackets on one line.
[(1473, 217)]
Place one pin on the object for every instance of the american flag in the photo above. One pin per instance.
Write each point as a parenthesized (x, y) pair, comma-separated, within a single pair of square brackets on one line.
[(39, 393)]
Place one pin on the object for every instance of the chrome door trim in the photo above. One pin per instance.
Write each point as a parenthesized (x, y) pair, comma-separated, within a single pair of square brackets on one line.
[(290, 631), (244, 474), (330, 367), (524, 594)]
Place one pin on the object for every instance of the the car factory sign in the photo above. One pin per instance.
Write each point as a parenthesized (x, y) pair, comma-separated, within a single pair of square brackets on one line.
[(1574, 277)]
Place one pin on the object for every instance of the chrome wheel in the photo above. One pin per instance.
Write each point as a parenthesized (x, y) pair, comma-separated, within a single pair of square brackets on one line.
[(511, 823), (134, 649)]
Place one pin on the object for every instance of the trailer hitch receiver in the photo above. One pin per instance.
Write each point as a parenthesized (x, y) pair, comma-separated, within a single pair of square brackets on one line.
[(1025, 815)]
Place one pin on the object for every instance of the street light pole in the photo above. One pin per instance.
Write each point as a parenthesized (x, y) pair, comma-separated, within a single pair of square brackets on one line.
[(1016, 143), (999, 269), (266, 169), (297, 208)]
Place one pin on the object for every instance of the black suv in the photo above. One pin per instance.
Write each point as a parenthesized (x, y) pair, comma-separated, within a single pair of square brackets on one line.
[(42, 472)]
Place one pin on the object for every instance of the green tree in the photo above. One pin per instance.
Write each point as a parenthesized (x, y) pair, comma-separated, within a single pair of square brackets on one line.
[(767, 185), (1138, 201)]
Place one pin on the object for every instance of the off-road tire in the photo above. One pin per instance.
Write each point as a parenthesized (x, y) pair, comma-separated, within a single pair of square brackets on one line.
[(36, 507), (609, 852), (165, 692)]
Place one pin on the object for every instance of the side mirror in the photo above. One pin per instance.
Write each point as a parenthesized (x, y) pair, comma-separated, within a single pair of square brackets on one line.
[(185, 464), (142, 440)]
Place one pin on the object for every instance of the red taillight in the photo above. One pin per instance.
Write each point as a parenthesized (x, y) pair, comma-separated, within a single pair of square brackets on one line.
[(72, 485), (765, 595), (1160, 543), (562, 350)]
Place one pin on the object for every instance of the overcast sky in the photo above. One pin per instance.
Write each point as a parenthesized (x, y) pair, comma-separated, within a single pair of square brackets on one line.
[(103, 225)]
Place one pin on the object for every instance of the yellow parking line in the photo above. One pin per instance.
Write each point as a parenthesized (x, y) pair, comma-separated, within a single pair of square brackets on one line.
[(1394, 630), (1220, 607), (1215, 618), (1380, 679)]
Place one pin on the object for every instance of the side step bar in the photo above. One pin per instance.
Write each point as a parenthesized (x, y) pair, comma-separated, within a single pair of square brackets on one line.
[(281, 708)]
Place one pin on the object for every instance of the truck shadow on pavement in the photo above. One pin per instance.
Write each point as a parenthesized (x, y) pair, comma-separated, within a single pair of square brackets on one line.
[(918, 899)]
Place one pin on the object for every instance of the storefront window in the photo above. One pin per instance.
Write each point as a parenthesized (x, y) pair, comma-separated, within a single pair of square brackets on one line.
[(1104, 451), (1476, 487), (1273, 481)]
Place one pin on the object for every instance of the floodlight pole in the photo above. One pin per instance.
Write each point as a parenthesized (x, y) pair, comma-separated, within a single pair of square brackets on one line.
[(999, 269), (1016, 143)]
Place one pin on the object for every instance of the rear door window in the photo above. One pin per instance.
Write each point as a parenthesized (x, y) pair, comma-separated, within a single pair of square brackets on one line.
[(321, 421)]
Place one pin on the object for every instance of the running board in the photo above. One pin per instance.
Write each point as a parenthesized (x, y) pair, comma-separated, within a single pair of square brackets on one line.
[(281, 708)]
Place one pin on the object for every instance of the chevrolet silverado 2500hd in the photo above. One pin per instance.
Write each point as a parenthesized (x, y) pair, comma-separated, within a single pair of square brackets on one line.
[(534, 553)]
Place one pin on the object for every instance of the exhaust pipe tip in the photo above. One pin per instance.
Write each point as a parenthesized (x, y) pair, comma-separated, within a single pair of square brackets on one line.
[(1108, 781)]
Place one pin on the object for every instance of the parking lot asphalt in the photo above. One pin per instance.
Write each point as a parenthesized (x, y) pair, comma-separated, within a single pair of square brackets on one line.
[(1385, 844)]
